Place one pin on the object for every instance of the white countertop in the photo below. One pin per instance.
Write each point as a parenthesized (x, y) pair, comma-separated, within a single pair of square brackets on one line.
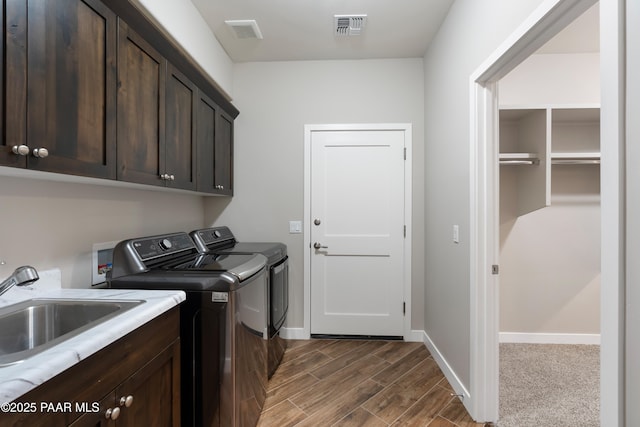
[(18, 379)]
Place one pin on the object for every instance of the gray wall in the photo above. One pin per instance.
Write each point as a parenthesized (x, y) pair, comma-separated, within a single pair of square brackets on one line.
[(276, 100), (55, 224), (472, 30), (633, 219)]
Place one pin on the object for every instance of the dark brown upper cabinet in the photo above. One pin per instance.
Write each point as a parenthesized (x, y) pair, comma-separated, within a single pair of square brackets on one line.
[(223, 167), (141, 107), (59, 87), (180, 125), (214, 131), (156, 117), (92, 88)]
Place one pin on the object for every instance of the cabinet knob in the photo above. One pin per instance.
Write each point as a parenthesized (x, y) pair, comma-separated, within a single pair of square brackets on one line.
[(112, 413), (126, 401), (164, 176), (172, 178), (20, 150), (40, 152)]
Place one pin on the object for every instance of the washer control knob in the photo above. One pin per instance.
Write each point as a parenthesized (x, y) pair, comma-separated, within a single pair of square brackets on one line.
[(217, 234), (166, 244)]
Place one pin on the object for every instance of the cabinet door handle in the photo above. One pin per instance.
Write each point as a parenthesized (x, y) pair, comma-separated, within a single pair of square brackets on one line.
[(126, 401), (40, 152), (112, 413), (20, 150)]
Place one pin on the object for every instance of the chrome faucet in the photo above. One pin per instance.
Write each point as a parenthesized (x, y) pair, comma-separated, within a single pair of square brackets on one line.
[(22, 276)]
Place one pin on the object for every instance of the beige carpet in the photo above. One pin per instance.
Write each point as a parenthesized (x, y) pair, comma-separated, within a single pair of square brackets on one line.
[(549, 385)]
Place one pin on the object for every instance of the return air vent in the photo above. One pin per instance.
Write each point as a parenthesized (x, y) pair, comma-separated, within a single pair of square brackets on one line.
[(245, 28), (349, 25)]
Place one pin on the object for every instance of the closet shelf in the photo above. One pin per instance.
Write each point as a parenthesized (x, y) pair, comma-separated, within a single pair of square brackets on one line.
[(519, 159), (575, 158)]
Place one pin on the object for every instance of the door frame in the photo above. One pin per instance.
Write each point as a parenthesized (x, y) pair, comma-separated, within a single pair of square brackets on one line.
[(406, 279), (544, 23)]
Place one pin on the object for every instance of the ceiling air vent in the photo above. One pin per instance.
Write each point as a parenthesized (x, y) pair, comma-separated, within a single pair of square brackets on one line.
[(349, 25), (245, 28)]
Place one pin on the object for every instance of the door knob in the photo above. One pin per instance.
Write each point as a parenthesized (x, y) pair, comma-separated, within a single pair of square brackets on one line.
[(317, 245), (317, 221), (21, 150), (40, 152)]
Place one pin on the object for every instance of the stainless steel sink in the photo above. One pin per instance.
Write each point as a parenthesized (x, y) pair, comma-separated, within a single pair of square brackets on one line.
[(30, 327)]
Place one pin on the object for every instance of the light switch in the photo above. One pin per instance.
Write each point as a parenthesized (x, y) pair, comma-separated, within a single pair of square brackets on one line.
[(456, 234), (295, 227)]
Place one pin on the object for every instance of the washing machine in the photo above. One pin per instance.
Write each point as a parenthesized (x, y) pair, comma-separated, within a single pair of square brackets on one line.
[(220, 240), (223, 323)]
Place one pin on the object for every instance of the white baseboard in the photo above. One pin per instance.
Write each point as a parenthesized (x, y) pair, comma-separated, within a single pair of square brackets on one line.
[(415, 336), (293, 334), (446, 369), (551, 338), (298, 334)]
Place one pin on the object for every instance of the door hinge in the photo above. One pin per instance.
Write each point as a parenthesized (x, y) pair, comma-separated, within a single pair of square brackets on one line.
[(405, 153), (495, 269), (405, 231), (404, 308)]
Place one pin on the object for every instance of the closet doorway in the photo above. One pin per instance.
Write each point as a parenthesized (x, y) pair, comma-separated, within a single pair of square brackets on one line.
[(549, 228)]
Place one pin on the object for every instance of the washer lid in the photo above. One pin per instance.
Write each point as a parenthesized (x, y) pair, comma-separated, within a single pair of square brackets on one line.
[(274, 251), (249, 268), (211, 262)]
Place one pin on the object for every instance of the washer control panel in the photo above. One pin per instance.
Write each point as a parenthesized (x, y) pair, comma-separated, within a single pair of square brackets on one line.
[(152, 247)]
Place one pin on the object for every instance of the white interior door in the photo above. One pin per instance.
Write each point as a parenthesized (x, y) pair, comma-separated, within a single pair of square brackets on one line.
[(357, 232)]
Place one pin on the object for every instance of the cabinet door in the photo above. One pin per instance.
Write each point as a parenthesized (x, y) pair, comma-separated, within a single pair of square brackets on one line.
[(13, 130), (154, 391), (206, 141), (98, 419), (223, 169), (141, 109), (71, 86), (180, 117)]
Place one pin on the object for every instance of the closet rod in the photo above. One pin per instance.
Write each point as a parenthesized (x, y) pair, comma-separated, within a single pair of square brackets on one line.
[(519, 162), (575, 161)]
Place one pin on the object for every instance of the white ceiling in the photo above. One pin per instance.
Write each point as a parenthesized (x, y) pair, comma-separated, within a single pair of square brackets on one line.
[(304, 29)]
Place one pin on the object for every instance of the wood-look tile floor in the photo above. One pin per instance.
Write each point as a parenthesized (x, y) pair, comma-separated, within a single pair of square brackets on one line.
[(360, 383)]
